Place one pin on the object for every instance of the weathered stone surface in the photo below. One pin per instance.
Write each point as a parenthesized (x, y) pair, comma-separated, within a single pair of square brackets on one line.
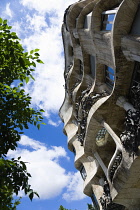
[(90, 101)]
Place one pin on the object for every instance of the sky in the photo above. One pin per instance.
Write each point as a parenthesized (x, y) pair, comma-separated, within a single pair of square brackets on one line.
[(51, 164)]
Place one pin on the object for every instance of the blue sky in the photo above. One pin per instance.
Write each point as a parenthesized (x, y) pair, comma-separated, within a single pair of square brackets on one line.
[(38, 24)]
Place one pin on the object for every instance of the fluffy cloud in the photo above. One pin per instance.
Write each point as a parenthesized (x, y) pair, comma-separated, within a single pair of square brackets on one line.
[(7, 13), (49, 178), (38, 23), (49, 6), (44, 26), (74, 188)]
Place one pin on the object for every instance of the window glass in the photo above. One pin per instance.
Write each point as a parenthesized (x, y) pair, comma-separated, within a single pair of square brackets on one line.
[(135, 83), (95, 202), (109, 75), (111, 17), (92, 65), (83, 172), (107, 20), (136, 23), (74, 151), (108, 27), (81, 68)]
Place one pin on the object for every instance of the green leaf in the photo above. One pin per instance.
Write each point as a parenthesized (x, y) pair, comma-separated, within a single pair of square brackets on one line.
[(31, 195), (39, 61), (13, 34), (32, 77), (36, 54), (5, 22), (36, 50), (27, 79), (43, 123), (32, 51), (26, 126), (33, 63), (38, 126), (37, 194), (41, 110), (1, 20)]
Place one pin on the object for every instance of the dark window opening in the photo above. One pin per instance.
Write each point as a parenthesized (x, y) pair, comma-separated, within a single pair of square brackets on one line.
[(135, 29), (70, 50), (83, 172), (135, 83), (109, 76), (81, 68), (108, 19), (92, 65), (74, 151), (95, 202)]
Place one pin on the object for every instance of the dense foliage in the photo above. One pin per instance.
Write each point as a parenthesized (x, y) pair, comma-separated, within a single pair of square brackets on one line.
[(90, 207), (16, 67)]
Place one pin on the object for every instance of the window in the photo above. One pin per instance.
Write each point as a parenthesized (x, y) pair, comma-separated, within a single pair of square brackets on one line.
[(136, 75), (135, 30), (108, 19), (81, 68), (95, 202), (87, 22), (101, 134), (135, 83), (92, 65), (74, 151), (83, 172), (109, 76)]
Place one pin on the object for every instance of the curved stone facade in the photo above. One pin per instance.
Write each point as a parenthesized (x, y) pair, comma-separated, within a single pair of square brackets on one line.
[(101, 109)]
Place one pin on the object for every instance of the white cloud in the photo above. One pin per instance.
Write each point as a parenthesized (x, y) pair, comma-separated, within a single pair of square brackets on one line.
[(48, 177), (8, 11), (47, 6), (74, 189), (55, 124), (47, 91), (39, 26), (37, 22), (17, 28)]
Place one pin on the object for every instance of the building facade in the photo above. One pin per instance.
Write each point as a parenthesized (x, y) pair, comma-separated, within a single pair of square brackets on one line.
[(101, 110)]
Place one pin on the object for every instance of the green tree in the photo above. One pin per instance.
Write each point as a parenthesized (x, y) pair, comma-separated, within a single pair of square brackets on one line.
[(90, 207), (16, 67), (62, 208)]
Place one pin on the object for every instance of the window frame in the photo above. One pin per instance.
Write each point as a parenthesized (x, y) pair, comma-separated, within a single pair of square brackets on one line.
[(105, 17), (83, 172), (108, 80), (94, 201)]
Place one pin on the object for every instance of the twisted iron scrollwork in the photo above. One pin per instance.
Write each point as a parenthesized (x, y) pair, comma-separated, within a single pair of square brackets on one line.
[(82, 130), (91, 99), (115, 165), (106, 200), (135, 96), (130, 138), (86, 103)]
